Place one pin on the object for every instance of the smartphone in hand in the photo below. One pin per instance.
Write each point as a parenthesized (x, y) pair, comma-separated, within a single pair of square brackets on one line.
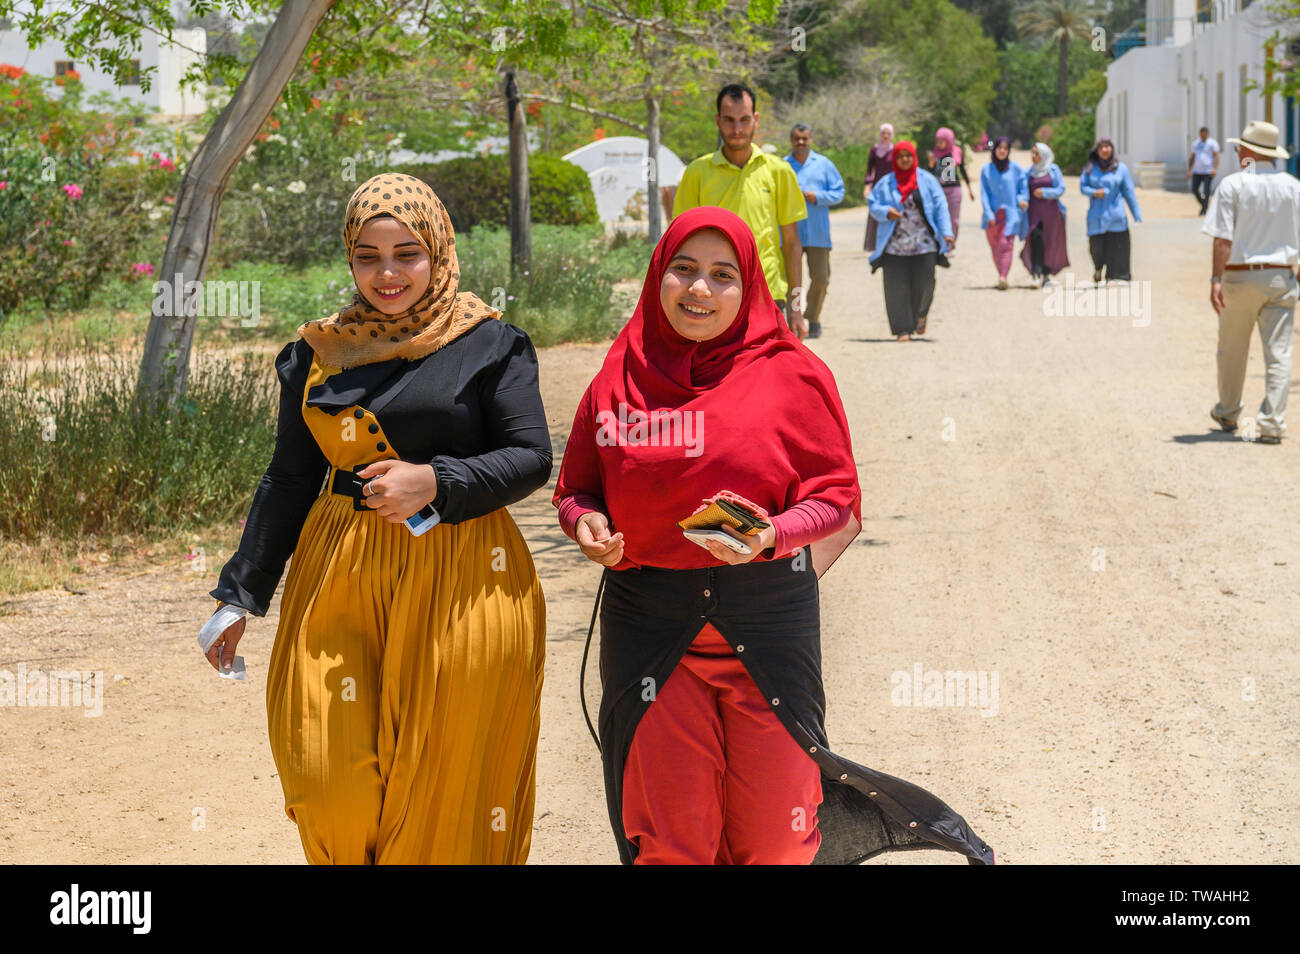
[(423, 519), (702, 537)]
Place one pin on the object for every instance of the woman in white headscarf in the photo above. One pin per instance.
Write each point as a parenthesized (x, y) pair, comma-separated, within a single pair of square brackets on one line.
[(1044, 250)]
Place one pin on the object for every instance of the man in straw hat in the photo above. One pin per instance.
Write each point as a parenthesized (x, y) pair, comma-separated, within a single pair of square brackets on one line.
[(1254, 217)]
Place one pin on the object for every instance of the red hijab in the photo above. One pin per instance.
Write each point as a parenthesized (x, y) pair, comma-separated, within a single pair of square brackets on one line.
[(752, 411), (906, 180)]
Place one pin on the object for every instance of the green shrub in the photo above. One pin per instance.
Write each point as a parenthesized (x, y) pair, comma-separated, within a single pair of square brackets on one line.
[(1072, 140), (1026, 91), (80, 203), (568, 293), (852, 163), (476, 190), (73, 416), (287, 196)]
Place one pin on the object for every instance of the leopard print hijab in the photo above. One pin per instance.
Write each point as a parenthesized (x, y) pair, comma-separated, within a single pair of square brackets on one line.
[(362, 334)]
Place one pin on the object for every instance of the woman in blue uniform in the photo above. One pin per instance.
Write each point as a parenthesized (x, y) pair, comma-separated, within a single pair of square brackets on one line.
[(1107, 184)]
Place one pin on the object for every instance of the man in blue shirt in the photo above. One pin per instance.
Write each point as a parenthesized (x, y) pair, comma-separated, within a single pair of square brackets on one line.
[(822, 187)]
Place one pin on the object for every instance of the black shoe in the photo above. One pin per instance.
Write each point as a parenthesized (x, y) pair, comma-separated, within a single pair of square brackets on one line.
[(814, 329)]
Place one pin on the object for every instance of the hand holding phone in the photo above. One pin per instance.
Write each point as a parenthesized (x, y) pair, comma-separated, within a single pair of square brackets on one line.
[(702, 537)]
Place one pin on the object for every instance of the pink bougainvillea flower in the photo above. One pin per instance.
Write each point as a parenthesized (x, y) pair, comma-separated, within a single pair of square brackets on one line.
[(73, 190), (69, 241), (3, 184), (143, 268), (167, 165)]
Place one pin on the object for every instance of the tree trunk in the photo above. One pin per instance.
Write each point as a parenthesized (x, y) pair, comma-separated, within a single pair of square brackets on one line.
[(521, 244), (653, 204), (165, 367), (1061, 77)]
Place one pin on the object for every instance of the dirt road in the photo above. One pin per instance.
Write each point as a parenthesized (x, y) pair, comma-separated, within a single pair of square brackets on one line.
[(1046, 502)]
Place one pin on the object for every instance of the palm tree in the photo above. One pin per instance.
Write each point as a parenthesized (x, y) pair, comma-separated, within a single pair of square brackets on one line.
[(1058, 21)]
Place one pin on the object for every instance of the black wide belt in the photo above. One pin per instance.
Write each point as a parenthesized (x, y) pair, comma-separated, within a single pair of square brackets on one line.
[(348, 484)]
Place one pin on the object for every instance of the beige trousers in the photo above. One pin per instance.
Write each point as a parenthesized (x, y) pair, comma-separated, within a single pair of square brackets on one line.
[(819, 279), (1265, 298)]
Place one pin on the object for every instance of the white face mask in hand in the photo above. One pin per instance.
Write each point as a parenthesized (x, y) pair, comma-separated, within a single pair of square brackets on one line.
[(225, 616)]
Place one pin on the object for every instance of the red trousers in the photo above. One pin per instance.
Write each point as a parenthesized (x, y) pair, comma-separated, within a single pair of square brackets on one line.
[(712, 776), (1002, 244)]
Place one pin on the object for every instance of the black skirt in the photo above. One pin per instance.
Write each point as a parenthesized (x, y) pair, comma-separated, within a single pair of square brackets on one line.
[(769, 613)]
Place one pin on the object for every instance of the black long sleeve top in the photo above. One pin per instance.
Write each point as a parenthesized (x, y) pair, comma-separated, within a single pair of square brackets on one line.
[(472, 410)]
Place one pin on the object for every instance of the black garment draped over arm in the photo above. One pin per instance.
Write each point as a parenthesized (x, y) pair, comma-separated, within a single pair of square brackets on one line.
[(770, 614), (472, 410)]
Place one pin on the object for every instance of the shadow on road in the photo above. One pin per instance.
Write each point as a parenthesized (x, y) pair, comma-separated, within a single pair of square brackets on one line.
[(926, 340), (1209, 437)]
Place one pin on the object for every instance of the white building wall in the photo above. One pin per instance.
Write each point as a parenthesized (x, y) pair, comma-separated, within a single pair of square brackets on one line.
[(1158, 96), (170, 61)]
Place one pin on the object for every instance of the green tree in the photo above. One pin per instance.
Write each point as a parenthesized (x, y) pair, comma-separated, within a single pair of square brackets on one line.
[(106, 35), (1120, 15), (834, 31), (1281, 50), (639, 52), (952, 65), (1058, 22), (995, 16), (1026, 93), (309, 43)]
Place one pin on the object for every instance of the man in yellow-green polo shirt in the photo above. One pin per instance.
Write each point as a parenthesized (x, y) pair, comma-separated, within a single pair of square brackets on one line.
[(759, 187)]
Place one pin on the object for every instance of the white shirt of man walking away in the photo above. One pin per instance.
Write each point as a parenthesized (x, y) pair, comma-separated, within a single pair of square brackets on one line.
[(1205, 155), (1254, 217)]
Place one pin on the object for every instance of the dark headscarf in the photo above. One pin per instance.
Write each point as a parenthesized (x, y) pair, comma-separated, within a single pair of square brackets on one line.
[(1094, 159), (1001, 164)]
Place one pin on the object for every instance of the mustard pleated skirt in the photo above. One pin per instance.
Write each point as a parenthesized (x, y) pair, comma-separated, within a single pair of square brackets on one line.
[(404, 691)]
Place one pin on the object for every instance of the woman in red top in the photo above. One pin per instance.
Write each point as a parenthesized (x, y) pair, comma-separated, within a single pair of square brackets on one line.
[(711, 719)]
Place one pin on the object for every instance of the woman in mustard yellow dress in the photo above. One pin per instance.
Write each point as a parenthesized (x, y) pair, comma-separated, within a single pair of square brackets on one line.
[(404, 688)]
